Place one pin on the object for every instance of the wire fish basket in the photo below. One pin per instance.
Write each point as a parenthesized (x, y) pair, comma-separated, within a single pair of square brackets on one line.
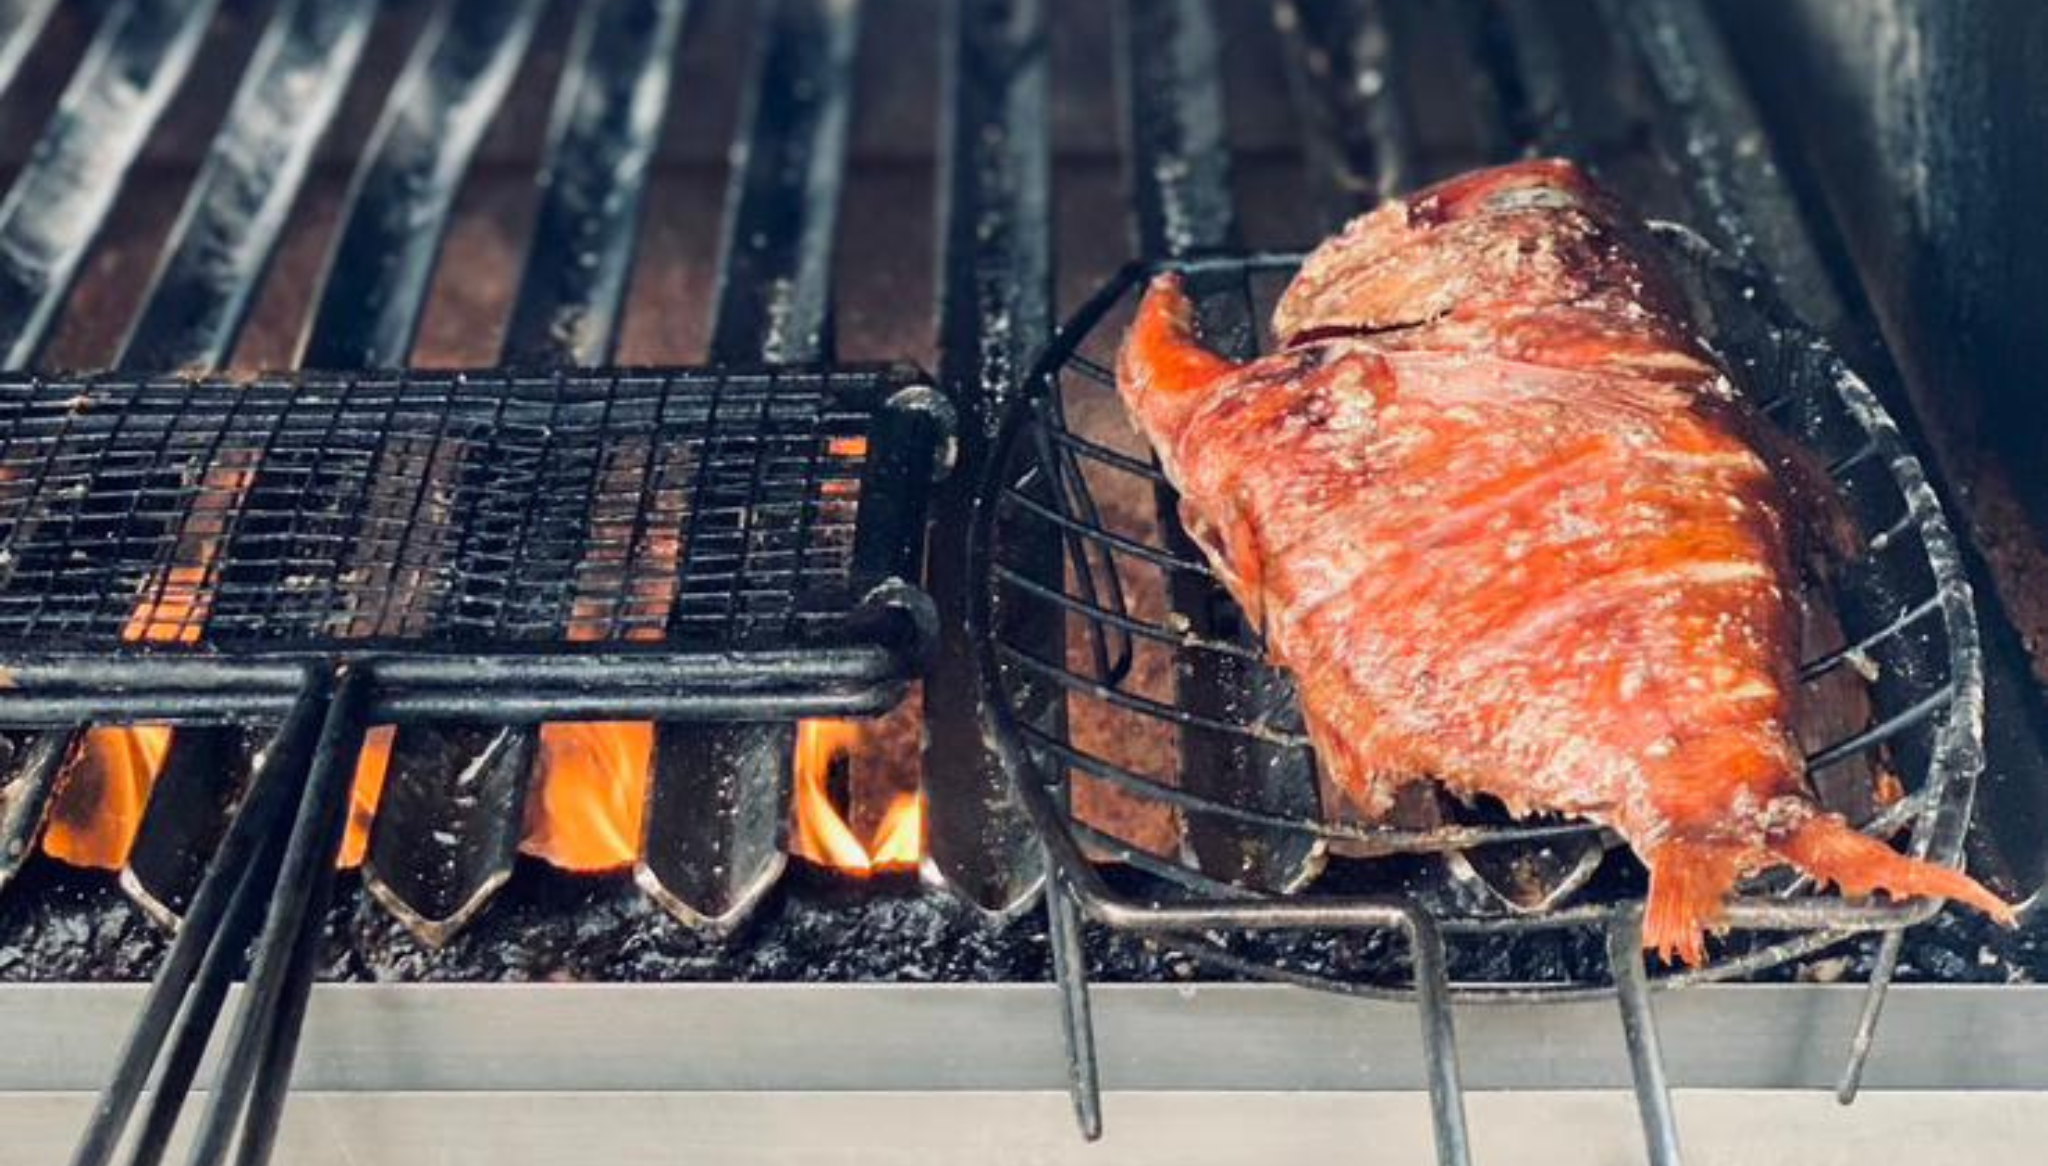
[(1164, 761)]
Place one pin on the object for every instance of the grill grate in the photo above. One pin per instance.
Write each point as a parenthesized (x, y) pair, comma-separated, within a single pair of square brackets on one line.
[(498, 600), (316, 514)]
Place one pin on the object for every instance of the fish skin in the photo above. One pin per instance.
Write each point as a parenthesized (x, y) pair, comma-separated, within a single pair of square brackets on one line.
[(1505, 520)]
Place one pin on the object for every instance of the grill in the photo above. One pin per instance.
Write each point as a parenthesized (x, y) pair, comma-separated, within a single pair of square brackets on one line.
[(685, 465)]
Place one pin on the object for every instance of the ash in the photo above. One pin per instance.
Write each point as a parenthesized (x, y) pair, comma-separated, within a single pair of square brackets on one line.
[(61, 924)]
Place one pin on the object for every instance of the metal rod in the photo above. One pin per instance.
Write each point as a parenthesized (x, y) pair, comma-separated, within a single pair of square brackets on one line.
[(267, 1005), (328, 783), (608, 115), (231, 221), (995, 310), (1070, 969), (202, 1008), (21, 22), (1639, 1031), (774, 298), (1439, 1042), (773, 305), (61, 198), (25, 797), (377, 276), (203, 925), (1178, 153), (1344, 69), (1860, 1045)]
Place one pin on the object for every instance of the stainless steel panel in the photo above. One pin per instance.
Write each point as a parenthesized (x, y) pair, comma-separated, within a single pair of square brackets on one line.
[(599, 1038)]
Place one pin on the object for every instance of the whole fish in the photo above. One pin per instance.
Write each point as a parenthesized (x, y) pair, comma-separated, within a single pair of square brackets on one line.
[(1508, 524)]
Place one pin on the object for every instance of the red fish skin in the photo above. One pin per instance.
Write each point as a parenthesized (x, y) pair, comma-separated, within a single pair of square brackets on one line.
[(1508, 525)]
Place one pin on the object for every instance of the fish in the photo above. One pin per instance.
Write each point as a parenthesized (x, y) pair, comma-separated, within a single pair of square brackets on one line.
[(1494, 504)]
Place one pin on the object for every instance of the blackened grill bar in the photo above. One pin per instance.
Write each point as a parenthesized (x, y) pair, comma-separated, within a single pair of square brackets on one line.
[(462, 486)]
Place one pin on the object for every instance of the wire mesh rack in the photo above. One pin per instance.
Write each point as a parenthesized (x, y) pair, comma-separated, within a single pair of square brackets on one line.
[(1091, 652), (148, 526)]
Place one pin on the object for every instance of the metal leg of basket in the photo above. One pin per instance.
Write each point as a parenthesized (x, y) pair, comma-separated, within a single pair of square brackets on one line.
[(1881, 974), (1070, 968), (1639, 1031), (1439, 1043)]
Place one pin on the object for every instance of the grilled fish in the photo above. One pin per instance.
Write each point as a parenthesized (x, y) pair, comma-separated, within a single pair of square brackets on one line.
[(1508, 524)]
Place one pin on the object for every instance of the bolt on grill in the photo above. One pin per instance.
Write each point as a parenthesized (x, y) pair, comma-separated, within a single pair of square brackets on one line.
[(276, 564)]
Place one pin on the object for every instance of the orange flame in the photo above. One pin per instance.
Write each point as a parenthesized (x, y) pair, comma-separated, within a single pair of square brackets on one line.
[(98, 805), (588, 806), (372, 764), (821, 833)]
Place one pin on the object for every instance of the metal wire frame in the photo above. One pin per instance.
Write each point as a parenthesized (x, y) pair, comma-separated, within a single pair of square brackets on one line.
[(1906, 593), (339, 527)]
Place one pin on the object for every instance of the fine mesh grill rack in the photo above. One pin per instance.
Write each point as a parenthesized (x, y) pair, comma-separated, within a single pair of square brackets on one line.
[(1102, 626), (143, 522)]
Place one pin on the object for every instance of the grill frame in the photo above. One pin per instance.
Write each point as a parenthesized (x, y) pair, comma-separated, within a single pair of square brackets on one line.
[(848, 648)]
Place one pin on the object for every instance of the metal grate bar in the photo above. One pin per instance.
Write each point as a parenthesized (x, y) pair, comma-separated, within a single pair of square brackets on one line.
[(775, 263), (27, 781), (138, 57), (449, 825), (377, 276), (197, 301), (714, 839), (607, 121), (1346, 82), (61, 198), (236, 211), (1179, 157), (21, 22), (995, 310)]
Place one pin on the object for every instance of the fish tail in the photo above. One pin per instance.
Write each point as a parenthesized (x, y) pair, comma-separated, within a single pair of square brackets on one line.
[(1831, 851), (1689, 882)]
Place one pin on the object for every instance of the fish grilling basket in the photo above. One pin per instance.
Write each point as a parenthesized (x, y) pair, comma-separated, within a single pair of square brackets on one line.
[(1165, 763)]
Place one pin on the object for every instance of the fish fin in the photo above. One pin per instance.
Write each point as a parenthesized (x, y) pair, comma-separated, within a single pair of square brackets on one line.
[(1161, 353), (1831, 851), (1689, 883)]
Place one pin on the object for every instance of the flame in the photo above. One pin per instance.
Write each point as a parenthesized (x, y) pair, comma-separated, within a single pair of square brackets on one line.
[(591, 798), (372, 764), (899, 840), (98, 804), (820, 832)]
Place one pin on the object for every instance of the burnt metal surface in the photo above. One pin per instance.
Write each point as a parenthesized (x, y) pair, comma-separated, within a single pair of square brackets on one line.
[(1182, 206), (714, 835), (449, 832), (361, 490), (57, 204), (994, 312), (379, 270)]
